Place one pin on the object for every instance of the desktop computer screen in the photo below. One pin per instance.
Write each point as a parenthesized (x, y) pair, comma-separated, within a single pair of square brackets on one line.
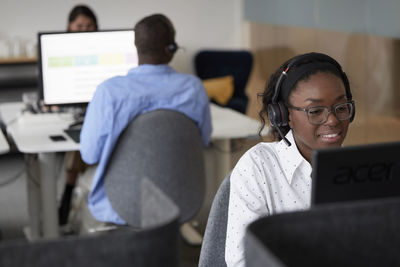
[(71, 65), (356, 173)]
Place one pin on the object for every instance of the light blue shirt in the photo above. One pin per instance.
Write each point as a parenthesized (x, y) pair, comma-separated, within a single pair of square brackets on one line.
[(117, 101)]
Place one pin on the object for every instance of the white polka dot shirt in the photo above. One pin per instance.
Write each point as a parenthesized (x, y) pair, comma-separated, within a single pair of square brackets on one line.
[(269, 178)]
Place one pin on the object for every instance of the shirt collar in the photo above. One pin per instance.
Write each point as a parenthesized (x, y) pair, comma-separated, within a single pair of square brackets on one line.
[(149, 68), (292, 158)]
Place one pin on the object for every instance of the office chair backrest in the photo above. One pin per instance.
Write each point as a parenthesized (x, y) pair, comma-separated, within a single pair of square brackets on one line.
[(213, 249), (352, 234), (165, 147), (156, 245), (218, 63)]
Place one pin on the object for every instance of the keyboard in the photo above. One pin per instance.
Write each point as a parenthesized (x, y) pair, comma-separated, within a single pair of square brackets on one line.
[(74, 134)]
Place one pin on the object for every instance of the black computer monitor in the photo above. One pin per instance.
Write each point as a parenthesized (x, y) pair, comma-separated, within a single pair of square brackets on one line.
[(356, 173), (71, 65)]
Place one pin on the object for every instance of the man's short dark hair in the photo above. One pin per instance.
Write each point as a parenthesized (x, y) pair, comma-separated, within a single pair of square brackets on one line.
[(153, 34)]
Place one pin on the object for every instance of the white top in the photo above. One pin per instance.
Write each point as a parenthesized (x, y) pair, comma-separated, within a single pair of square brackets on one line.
[(270, 178)]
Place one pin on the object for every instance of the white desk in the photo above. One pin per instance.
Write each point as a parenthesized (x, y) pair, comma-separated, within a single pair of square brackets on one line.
[(229, 124), (31, 136)]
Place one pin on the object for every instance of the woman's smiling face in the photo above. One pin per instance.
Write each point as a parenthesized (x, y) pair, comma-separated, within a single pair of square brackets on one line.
[(320, 89)]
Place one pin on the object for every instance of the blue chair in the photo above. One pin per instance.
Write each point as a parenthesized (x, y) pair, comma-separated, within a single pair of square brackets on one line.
[(218, 63)]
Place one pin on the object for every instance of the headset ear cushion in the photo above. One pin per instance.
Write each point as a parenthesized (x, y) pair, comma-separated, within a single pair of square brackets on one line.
[(278, 114), (284, 113), (172, 47), (274, 115)]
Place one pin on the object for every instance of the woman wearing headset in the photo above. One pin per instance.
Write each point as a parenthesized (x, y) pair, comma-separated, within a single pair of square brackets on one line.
[(309, 104)]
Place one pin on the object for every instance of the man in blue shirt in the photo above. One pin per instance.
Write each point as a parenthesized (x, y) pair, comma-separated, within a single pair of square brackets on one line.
[(150, 86)]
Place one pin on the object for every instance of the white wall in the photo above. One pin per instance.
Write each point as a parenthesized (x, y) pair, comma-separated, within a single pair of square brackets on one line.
[(199, 23)]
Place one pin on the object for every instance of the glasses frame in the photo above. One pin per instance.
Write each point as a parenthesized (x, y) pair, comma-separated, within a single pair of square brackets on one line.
[(331, 109)]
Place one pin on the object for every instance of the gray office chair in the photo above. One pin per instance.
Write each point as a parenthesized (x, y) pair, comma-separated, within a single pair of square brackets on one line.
[(353, 234), (213, 249), (157, 244), (165, 147)]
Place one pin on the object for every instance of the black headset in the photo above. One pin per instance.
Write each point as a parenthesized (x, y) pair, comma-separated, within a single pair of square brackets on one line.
[(278, 113), (172, 47)]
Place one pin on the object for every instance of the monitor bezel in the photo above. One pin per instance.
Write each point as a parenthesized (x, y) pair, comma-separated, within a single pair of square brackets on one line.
[(40, 78)]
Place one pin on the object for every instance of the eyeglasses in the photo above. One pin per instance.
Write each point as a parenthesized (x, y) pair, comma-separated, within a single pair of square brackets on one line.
[(319, 115)]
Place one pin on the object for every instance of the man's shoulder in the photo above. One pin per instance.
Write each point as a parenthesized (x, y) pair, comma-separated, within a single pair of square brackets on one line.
[(113, 81), (112, 85), (190, 77)]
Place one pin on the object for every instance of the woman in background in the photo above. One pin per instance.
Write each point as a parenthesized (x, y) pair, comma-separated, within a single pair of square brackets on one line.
[(81, 19)]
